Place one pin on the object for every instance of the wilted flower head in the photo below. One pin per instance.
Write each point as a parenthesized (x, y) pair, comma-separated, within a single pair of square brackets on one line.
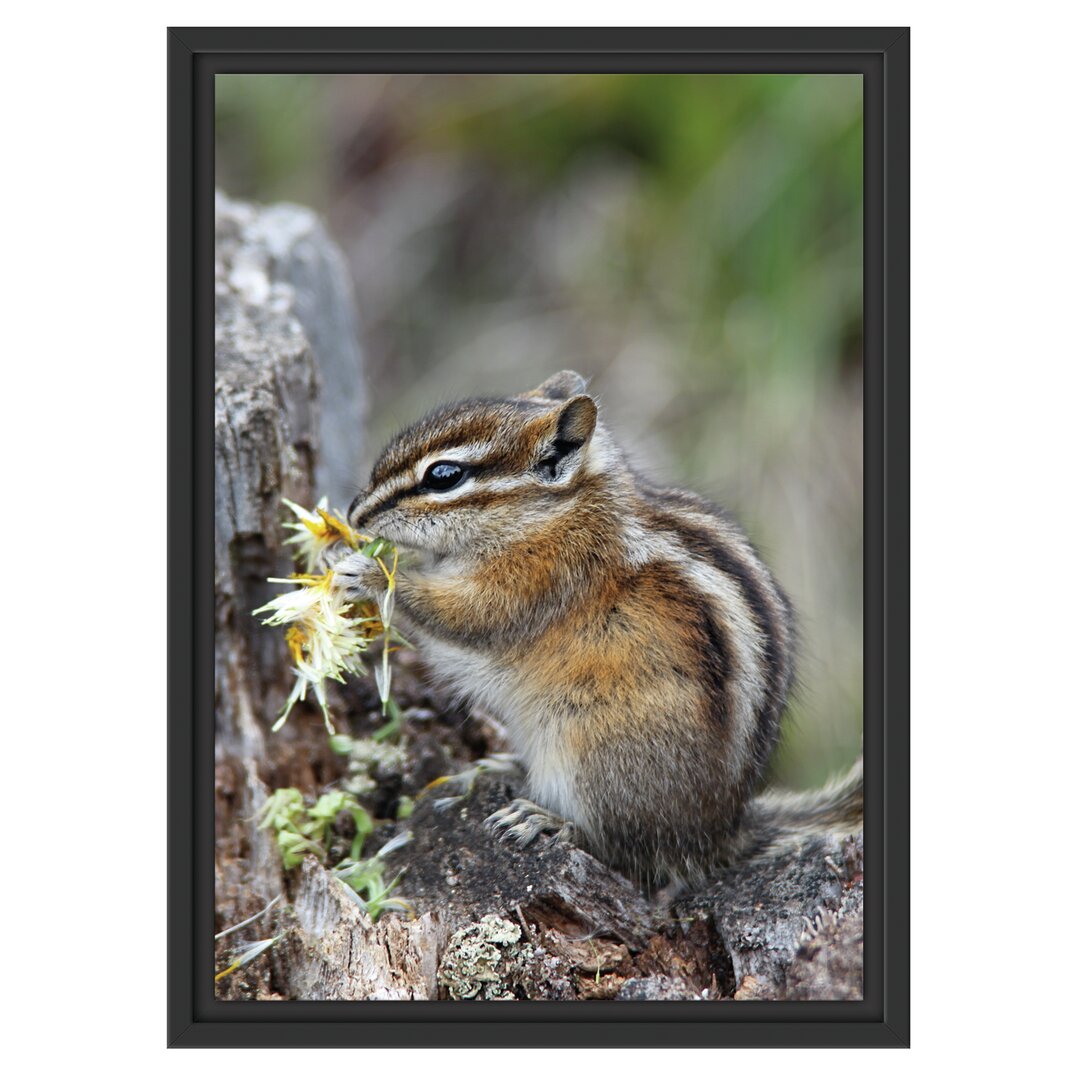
[(325, 640), (326, 631), (318, 530)]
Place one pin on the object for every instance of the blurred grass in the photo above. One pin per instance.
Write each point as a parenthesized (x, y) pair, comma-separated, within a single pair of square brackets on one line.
[(691, 242)]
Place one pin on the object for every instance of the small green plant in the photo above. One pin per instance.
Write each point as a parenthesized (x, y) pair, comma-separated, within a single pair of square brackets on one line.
[(326, 810), (370, 762), (301, 830), (392, 728), (365, 879)]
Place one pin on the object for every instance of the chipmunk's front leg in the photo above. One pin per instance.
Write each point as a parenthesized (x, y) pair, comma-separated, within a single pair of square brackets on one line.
[(418, 602), (449, 608)]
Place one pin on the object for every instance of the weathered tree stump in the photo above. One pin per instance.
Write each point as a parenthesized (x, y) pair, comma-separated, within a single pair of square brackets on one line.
[(267, 434), (488, 921)]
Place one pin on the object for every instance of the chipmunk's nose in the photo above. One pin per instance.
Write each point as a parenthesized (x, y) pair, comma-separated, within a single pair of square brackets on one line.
[(354, 517)]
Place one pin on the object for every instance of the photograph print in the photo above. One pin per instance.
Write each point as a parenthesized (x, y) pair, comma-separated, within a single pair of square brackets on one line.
[(538, 526)]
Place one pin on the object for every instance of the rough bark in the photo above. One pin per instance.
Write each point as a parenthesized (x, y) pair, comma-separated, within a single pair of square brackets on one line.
[(279, 259), (337, 953), (265, 446), (488, 921)]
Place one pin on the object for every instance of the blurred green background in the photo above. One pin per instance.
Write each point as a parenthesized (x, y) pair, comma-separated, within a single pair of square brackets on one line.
[(693, 243)]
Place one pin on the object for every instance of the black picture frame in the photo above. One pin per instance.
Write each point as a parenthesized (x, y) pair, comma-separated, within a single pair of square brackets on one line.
[(195, 56)]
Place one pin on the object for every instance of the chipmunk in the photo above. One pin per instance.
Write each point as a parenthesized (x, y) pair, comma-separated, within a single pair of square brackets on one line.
[(635, 646)]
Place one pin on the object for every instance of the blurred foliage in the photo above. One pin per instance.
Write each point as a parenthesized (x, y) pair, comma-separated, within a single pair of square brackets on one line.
[(693, 243)]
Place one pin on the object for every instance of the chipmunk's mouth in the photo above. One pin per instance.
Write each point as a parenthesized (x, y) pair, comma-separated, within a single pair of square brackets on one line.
[(403, 534)]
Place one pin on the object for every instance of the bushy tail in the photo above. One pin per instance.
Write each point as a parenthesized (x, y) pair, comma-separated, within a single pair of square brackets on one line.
[(780, 820)]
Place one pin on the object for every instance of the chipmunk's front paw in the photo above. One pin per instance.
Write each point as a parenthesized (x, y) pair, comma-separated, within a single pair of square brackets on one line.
[(330, 557), (361, 577), (523, 821)]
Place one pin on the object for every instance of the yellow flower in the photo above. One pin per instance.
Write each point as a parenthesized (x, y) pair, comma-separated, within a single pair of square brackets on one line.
[(316, 531), (317, 592)]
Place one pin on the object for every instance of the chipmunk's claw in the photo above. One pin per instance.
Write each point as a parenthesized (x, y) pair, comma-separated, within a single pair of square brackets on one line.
[(523, 821)]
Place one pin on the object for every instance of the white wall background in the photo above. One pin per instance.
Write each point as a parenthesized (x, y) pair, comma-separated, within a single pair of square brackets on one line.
[(994, 582)]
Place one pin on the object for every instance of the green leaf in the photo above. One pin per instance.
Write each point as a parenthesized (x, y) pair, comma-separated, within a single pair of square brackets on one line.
[(364, 828), (328, 806), (374, 548), (340, 744), (392, 728), (283, 806), (362, 820)]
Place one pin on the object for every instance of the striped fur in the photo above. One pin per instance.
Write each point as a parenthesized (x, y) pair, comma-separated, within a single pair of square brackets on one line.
[(629, 637)]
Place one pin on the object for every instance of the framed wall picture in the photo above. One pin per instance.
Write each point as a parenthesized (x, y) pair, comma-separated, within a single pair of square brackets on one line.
[(538, 542)]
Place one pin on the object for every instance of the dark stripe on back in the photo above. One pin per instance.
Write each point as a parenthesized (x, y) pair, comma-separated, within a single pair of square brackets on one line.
[(699, 620), (758, 589), (717, 676)]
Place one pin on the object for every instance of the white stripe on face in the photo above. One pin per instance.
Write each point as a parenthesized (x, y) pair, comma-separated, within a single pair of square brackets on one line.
[(464, 454), (596, 457)]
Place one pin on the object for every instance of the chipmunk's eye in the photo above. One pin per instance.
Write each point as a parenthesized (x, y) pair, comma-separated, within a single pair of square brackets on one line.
[(443, 475)]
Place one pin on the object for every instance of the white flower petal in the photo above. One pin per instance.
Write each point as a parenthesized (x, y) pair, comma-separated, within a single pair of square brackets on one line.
[(382, 676), (386, 607)]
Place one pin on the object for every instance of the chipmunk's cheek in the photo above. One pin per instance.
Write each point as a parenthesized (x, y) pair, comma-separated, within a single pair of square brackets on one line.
[(425, 533)]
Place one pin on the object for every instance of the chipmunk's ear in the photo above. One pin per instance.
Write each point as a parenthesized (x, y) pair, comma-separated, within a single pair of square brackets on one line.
[(577, 421), (559, 387), (574, 425)]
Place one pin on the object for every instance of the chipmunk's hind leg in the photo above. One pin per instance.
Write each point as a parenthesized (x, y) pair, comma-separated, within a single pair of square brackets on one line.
[(523, 821)]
